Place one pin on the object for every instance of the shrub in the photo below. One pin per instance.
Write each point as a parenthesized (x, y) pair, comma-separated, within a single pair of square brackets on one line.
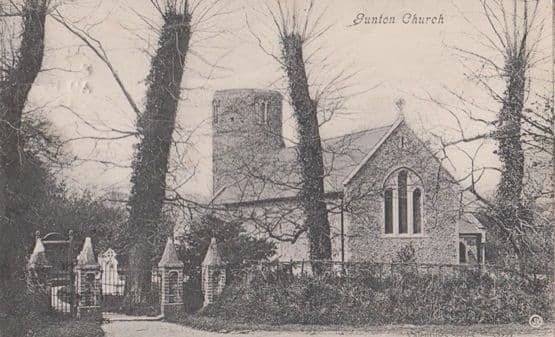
[(402, 295)]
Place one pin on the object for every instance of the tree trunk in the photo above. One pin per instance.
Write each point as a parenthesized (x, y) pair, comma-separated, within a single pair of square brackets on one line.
[(14, 90), (511, 155), (150, 166), (309, 150)]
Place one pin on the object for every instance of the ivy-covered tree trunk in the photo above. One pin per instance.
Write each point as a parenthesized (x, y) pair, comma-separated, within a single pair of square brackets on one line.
[(309, 149), (150, 166), (511, 154), (18, 75)]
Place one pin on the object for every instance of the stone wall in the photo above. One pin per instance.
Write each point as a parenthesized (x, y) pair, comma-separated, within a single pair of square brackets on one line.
[(365, 238)]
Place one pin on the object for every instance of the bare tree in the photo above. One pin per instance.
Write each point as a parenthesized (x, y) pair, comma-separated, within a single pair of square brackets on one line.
[(314, 103), (514, 33), (21, 56), (155, 126)]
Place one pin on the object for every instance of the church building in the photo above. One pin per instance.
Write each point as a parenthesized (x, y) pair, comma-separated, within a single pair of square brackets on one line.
[(386, 191)]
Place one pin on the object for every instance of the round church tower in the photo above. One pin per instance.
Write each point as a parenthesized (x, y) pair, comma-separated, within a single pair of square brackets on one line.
[(245, 123)]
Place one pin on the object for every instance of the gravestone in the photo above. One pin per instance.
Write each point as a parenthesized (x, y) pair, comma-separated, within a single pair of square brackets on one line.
[(112, 282)]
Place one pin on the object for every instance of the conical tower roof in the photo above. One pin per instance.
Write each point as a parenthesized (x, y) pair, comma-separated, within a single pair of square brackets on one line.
[(169, 257), (86, 257), (38, 257), (213, 257)]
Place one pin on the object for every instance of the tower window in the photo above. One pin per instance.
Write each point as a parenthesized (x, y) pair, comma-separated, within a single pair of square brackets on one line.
[(462, 252), (265, 112), (216, 105), (263, 117)]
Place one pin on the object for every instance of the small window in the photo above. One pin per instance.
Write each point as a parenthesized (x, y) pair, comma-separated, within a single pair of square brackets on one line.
[(416, 211), (388, 197), (215, 112), (265, 113), (262, 107), (462, 252)]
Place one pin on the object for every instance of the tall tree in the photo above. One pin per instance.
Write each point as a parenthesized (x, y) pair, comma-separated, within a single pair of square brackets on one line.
[(294, 31), (514, 32), (19, 67), (310, 157), (156, 127)]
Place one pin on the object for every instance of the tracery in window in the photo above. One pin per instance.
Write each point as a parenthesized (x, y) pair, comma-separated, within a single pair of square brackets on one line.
[(403, 193)]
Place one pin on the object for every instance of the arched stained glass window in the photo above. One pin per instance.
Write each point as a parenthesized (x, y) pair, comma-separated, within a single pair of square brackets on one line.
[(402, 195), (417, 211), (388, 197)]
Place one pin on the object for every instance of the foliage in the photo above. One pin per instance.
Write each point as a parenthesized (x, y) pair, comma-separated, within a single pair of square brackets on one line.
[(86, 214), (234, 245), (401, 296), (233, 242)]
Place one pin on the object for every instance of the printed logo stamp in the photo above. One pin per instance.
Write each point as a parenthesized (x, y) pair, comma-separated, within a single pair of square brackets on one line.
[(535, 321)]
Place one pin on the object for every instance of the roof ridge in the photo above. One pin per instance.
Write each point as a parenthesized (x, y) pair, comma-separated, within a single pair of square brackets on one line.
[(359, 131), (387, 126)]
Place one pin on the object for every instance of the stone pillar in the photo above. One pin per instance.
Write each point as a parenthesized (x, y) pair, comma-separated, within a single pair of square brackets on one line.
[(38, 270), (88, 287), (213, 274), (171, 270)]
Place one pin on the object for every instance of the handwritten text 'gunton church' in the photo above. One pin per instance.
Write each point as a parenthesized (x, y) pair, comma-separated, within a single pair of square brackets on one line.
[(407, 19)]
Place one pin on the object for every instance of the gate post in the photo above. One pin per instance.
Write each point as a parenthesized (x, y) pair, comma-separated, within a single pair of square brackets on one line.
[(88, 284), (38, 270), (172, 282), (213, 274)]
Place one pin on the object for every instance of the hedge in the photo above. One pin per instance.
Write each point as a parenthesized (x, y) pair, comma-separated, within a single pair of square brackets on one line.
[(402, 297)]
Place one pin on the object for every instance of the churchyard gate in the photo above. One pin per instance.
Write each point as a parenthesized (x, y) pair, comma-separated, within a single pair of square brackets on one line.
[(51, 272), (84, 287), (113, 284)]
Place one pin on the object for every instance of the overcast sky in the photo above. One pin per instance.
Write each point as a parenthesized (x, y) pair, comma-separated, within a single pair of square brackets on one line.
[(390, 61)]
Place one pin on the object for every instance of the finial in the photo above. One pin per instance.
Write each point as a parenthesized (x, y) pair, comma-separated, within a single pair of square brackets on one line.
[(400, 104), (38, 257), (169, 256), (86, 257), (212, 257)]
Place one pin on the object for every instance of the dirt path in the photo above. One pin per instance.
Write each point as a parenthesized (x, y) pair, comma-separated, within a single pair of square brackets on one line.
[(164, 329)]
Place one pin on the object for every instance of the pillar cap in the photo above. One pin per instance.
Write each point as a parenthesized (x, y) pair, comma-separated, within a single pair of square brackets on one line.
[(213, 257), (169, 257), (38, 257), (86, 257)]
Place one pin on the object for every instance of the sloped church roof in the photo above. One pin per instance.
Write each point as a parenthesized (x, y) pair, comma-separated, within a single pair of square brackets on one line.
[(276, 175)]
